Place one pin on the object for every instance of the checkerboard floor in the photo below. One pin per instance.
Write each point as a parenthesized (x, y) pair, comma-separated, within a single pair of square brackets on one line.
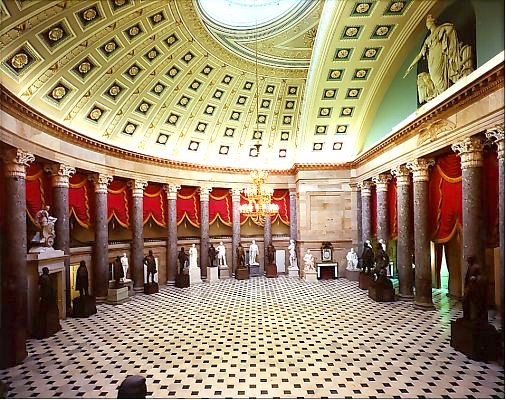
[(259, 338)]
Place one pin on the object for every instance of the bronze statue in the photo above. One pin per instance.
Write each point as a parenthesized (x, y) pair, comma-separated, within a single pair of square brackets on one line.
[(381, 261), (240, 256), (46, 292), (367, 257), (211, 252), (150, 262), (271, 252), (118, 272), (474, 303), (82, 283), (182, 258)]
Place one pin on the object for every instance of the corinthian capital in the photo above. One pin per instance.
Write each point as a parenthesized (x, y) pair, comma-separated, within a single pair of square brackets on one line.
[(420, 169), (15, 162), (381, 182), (470, 151), (137, 186), (402, 174), (496, 135), (171, 190), (236, 194), (60, 174), (204, 192), (365, 188), (100, 181)]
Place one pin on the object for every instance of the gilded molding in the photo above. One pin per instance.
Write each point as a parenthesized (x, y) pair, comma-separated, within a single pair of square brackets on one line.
[(381, 182), (60, 174), (15, 162), (470, 151), (420, 169), (100, 181), (402, 175)]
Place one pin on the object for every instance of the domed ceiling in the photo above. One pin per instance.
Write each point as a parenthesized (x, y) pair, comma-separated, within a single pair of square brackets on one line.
[(172, 80)]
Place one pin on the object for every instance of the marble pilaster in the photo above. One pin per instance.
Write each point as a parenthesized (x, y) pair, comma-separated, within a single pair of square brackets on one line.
[(381, 182), (236, 225), (293, 214), (171, 190), (267, 237), (136, 219), (100, 252), (423, 279), (60, 176), (14, 293), (365, 195), (404, 233), (204, 228)]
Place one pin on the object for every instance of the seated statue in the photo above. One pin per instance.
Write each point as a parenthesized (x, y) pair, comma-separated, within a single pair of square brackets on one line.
[(308, 261), (45, 224), (352, 259)]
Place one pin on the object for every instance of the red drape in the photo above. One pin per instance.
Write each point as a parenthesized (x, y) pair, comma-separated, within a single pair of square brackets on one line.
[(445, 198), (392, 207), (38, 189), (374, 212), (220, 206), (490, 198), (118, 202), (188, 205), (281, 197), (81, 199), (155, 204)]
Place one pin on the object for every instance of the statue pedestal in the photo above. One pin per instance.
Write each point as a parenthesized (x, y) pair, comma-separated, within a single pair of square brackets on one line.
[(310, 276), (241, 273), (271, 271), (352, 274), (478, 340), (117, 296), (254, 269), (46, 322), (382, 290), (83, 307), (293, 272), (54, 261), (182, 280), (212, 275), (195, 277), (127, 283), (224, 272), (364, 280), (150, 288)]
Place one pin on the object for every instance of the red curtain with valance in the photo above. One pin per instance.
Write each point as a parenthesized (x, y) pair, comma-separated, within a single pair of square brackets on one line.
[(188, 205), (490, 197), (81, 200), (281, 197), (445, 198), (38, 190), (392, 207), (155, 204), (374, 212), (220, 206), (118, 202)]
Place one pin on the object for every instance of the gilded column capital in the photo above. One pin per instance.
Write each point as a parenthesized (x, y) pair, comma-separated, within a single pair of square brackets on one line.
[(137, 186), (171, 189), (381, 182), (236, 194), (420, 169), (100, 181), (60, 174), (365, 188), (470, 151), (496, 135), (15, 162), (204, 192), (402, 174)]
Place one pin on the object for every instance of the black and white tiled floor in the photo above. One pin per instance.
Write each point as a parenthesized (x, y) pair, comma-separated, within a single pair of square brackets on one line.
[(263, 338)]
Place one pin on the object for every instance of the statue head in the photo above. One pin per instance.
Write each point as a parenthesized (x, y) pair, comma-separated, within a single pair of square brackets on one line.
[(182, 248), (253, 241), (352, 250), (430, 22), (82, 263), (117, 258), (124, 254), (221, 243), (150, 252), (45, 271)]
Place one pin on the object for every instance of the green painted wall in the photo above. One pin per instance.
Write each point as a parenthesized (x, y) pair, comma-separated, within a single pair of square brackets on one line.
[(401, 97)]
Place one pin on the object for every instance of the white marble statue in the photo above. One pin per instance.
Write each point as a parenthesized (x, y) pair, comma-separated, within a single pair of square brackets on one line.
[(448, 60), (292, 256), (222, 258), (192, 256), (253, 253), (124, 264), (383, 245), (352, 259), (46, 234), (308, 261)]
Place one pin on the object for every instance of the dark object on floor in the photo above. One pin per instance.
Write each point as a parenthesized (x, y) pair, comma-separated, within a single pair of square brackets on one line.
[(242, 273), (84, 306), (151, 287), (133, 387), (271, 271), (182, 280), (382, 289), (364, 280)]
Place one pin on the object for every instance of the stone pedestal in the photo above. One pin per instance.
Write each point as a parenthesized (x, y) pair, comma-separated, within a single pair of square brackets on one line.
[(382, 290), (83, 307), (271, 271), (224, 272), (254, 270), (46, 321), (127, 283), (241, 274), (352, 274), (364, 280), (117, 296), (212, 275), (479, 341), (310, 276), (293, 272), (150, 288), (182, 280), (195, 278)]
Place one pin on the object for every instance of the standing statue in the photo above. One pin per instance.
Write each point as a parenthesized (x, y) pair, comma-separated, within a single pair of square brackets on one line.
[(182, 258), (367, 258), (253, 252), (118, 272), (124, 264), (271, 252), (448, 60), (222, 259), (82, 283), (240, 256), (292, 256), (308, 261), (46, 293), (45, 223), (150, 262), (193, 256), (211, 253), (474, 302), (381, 261), (352, 259), (47, 320)]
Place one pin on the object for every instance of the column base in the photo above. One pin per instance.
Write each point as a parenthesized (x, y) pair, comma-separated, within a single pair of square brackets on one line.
[(171, 283), (406, 297), (12, 348), (100, 300), (424, 306), (139, 289)]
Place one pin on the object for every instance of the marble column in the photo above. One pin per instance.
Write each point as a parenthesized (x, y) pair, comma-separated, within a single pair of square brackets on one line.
[(136, 218), (204, 228), (381, 182), (60, 176), (171, 190), (13, 331), (100, 277), (423, 277), (267, 237), (356, 202), (496, 134), (404, 233), (365, 195), (236, 226), (293, 214)]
